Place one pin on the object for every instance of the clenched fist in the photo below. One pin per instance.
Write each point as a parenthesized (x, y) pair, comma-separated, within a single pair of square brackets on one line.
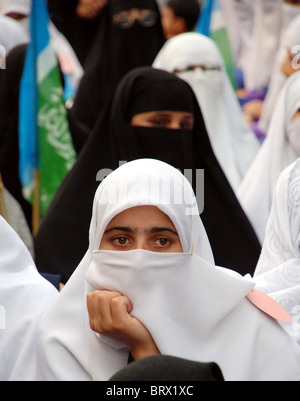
[(109, 315)]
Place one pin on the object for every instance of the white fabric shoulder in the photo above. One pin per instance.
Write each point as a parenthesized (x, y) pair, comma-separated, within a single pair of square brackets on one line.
[(24, 297), (278, 269)]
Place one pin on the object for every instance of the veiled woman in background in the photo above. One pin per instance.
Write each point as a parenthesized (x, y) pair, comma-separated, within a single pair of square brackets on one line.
[(130, 36), (197, 59)]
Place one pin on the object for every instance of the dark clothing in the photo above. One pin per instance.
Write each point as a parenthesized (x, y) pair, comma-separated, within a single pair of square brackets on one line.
[(115, 52), (79, 32), (169, 368)]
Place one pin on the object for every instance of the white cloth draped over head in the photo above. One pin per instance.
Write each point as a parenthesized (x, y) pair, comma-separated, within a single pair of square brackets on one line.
[(290, 38), (11, 34), (276, 153), (234, 143), (15, 6), (24, 298), (271, 18), (69, 62), (278, 269), (192, 308)]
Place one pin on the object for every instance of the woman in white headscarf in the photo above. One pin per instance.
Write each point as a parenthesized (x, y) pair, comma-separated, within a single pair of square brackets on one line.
[(197, 60), (70, 66), (167, 279), (280, 149), (277, 272), (24, 297), (282, 69)]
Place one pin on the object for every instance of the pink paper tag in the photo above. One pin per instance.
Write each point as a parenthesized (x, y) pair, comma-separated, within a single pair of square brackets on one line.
[(269, 306)]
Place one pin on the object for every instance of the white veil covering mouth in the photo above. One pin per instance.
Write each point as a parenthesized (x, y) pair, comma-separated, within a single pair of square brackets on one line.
[(24, 298), (256, 192), (192, 308), (278, 269), (290, 38), (234, 143)]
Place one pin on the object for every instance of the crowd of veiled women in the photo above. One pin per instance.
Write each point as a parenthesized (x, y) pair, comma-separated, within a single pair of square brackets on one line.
[(118, 284)]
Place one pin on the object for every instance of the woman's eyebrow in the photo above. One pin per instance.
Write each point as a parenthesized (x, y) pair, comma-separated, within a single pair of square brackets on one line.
[(151, 230), (161, 229), (126, 229)]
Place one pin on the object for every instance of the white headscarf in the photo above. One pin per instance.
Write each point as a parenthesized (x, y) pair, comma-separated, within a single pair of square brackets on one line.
[(291, 37), (69, 62), (24, 297), (233, 142), (256, 191), (193, 309), (278, 269), (11, 34), (15, 6)]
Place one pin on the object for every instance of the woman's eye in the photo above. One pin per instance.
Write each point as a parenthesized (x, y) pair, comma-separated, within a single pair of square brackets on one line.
[(187, 126), (162, 242), (121, 241), (158, 123)]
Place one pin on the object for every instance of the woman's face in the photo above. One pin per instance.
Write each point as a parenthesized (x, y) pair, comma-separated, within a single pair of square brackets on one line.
[(141, 227), (164, 119)]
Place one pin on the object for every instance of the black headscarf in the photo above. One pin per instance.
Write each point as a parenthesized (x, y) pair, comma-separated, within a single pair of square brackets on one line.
[(80, 32), (115, 52), (63, 236)]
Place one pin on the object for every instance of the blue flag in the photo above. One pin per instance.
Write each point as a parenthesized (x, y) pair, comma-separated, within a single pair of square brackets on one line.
[(45, 142)]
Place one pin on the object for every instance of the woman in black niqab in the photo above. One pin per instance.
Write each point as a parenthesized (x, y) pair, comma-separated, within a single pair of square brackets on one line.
[(122, 44), (63, 236)]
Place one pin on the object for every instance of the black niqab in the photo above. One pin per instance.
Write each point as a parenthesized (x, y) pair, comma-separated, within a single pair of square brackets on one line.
[(63, 237), (115, 52)]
